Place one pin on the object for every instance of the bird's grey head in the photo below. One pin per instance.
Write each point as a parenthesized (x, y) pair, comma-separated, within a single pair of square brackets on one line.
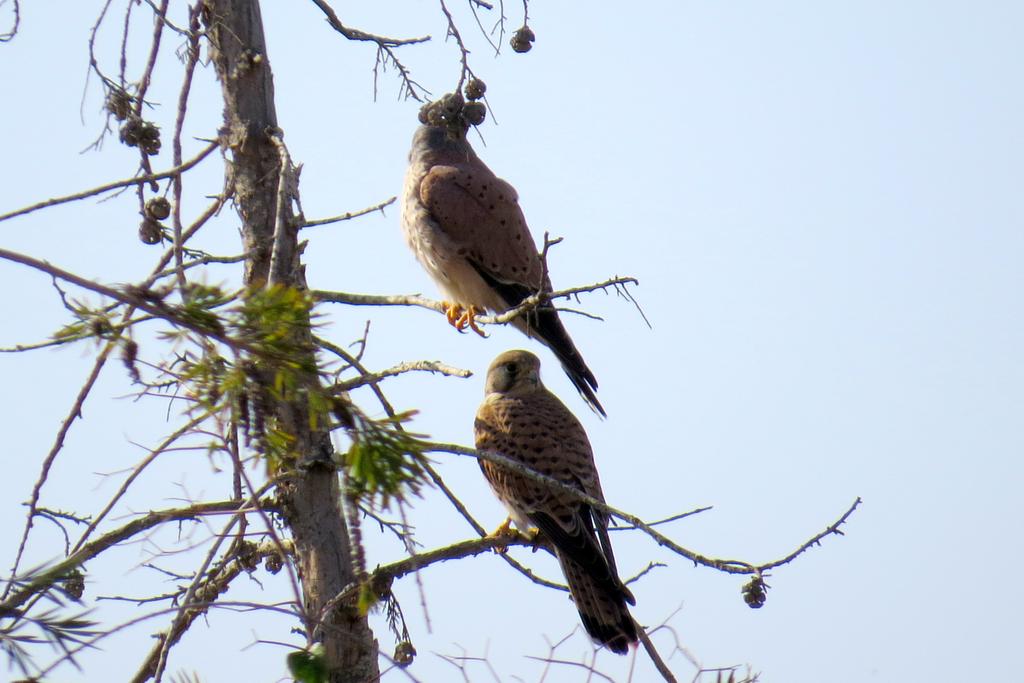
[(438, 139), (513, 371)]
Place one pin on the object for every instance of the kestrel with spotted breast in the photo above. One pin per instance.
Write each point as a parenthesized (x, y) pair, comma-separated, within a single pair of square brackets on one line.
[(523, 421), (466, 228)]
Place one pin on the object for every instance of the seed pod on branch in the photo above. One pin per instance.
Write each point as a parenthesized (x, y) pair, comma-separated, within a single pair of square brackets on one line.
[(158, 208), (522, 40)]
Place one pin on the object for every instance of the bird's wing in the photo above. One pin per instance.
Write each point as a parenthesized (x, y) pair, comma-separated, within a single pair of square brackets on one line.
[(538, 431), (480, 214)]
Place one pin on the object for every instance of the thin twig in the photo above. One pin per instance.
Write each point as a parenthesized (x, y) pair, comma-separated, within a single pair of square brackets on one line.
[(651, 566), (473, 6), (115, 185), (179, 123), (385, 50), (652, 652), (154, 52), (432, 366), (666, 520), (356, 34), (453, 31), (349, 215), (541, 298), (831, 529), (204, 260)]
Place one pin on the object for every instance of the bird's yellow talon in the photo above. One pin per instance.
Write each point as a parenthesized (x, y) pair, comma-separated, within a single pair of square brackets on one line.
[(501, 531), (453, 312), (468, 319)]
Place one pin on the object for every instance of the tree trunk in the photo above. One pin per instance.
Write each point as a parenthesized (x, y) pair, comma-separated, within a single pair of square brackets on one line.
[(312, 497)]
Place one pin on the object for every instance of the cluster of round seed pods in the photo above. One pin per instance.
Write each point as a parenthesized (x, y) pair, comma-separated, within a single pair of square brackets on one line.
[(134, 131), (137, 132), (454, 110), (461, 111), (151, 230)]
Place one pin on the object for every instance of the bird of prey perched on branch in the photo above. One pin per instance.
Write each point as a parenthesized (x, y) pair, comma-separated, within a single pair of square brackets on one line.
[(466, 228), (524, 422)]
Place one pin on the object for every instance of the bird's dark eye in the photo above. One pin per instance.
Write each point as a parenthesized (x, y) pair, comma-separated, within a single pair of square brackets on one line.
[(510, 367)]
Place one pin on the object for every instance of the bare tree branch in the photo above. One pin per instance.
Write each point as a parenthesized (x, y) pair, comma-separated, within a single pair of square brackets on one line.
[(44, 579), (829, 530), (652, 652), (356, 34), (115, 185), (192, 59), (416, 300), (728, 566), (385, 46), (431, 366), (349, 215)]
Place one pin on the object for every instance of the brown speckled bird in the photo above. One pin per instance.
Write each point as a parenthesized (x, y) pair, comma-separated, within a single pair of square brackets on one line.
[(525, 422), (466, 228)]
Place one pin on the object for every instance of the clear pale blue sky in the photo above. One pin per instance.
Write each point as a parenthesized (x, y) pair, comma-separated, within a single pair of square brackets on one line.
[(822, 202)]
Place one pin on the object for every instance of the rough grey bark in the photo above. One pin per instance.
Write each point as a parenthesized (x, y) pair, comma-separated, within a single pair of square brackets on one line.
[(312, 497)]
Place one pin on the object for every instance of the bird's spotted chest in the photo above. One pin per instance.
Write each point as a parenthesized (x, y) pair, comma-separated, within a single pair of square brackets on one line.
[(533, 443)]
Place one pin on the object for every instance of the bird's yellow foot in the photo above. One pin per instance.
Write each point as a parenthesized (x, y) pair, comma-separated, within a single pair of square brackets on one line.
[(532, 534), (453, 312), (468, 319), (503, 530)]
